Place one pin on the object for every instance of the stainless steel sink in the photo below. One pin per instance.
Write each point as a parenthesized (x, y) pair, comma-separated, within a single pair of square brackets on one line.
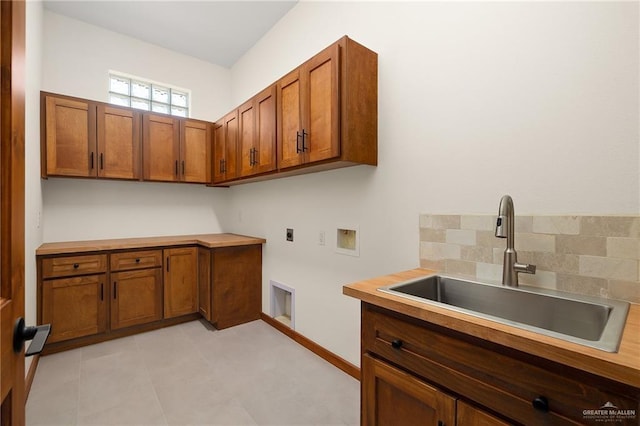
[(589, 321)]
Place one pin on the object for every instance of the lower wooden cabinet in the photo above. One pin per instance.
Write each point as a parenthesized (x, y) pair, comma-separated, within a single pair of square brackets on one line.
[(180, 281), (136, 297), (234, 284), (75, 307), (204, 282)]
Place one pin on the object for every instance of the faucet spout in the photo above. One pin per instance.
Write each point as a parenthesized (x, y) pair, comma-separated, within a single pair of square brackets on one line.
[(505, 225)]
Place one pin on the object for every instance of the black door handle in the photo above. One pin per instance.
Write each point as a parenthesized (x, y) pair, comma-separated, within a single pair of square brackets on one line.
[(38, 334), (397, 344)]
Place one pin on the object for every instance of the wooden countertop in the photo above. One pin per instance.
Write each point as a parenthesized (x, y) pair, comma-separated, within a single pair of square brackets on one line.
[(205, 240), (623, 366)]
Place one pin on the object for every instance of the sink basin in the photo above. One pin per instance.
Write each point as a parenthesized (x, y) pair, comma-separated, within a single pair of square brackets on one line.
[(588, 321)]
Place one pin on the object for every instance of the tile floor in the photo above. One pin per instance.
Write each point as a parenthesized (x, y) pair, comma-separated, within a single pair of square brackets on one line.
[(192, 374)]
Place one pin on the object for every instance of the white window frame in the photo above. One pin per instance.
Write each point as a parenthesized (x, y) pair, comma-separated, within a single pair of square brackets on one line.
[(129, 97)]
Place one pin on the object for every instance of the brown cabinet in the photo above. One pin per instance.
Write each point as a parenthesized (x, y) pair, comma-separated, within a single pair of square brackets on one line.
[(204, 283), (393, 397), (136, 288), (234, 284), (161, 148), (88, 139), (195, 151), (327, 108), (180, 281), (520, 388), (73, 294), (257, 134), (225, 151)]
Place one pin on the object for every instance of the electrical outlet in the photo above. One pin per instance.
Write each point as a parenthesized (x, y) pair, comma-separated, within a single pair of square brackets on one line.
[(321, 238), (289, 234)]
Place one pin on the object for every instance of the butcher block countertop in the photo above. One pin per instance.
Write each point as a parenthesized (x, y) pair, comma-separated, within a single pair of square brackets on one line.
[(623, 366), (205, 240)]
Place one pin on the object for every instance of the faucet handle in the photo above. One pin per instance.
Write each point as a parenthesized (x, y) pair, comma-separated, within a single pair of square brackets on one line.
[(524, 267)]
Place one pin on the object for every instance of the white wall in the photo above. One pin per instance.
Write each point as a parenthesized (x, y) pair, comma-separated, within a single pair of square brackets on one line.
[(535, 99), (76, 60), (33, 189)]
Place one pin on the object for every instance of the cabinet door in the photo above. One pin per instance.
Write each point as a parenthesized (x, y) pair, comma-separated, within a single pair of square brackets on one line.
[(118, 143), (180, 281), (237, 285), (74, 307), (289, 90), (264, 157), (246, 137), (204, 282), (195, 151), (225, 156), (136, 297), (70, 143), (393, 397), (161, 147), (321, 121), (470, 416)]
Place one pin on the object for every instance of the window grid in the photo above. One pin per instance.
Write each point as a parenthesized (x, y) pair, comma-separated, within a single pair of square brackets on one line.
[(137, 93)]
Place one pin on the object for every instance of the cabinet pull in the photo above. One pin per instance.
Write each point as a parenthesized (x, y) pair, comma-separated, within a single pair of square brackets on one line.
[(138, 260), (182, 167), (92, 161), (176, 167), (223, 168), (397, 344), (440, 423), (304, 147), (167, 263), (101, 161), (76, 266), (541, 404), (298, 136), (101, 291), (115, 289)]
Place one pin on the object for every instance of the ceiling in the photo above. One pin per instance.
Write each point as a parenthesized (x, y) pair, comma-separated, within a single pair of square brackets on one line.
[(215, 31)]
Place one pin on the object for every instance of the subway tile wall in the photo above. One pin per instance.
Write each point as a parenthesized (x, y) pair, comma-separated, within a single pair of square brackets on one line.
[(591, 255)]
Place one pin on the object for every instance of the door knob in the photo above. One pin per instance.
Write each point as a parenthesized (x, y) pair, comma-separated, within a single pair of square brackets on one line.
[(38, 334)]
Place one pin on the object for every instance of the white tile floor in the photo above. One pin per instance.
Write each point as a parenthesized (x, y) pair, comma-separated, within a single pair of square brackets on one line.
[(192, 374)]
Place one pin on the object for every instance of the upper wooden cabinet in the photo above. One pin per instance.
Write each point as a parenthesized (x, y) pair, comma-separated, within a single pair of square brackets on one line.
[(161, 147), (225, 151), (308, 117), (257, 134), (89, 139), (195, 151)]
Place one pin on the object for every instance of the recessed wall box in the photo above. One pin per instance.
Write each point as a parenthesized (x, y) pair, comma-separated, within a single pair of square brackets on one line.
[(348, 241), (283, 299)]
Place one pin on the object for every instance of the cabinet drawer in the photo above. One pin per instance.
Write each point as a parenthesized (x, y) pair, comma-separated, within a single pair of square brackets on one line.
[(73, 265), (136, 260), (497, 379)]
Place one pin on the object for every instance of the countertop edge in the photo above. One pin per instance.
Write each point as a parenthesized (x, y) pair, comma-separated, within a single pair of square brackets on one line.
[(623, 366), (204, 240)]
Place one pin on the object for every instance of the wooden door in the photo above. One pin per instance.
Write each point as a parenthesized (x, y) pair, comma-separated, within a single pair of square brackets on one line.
[(204, 282), (246, 137), (118, 143), (321, 122), (393, 397), (195, 151), (12, 394), (136, 297), (75, 307), (218, 152), (160, 147), (70, 130), (289, 136), (180, 281), (265, 140), (471, 416), (237, 285), (231, 146)]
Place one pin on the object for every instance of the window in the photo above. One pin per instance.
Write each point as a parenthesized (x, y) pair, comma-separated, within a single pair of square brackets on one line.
[(142, 94)]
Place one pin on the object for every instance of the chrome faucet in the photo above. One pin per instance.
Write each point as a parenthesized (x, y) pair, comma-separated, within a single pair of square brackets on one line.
[(505, 229)]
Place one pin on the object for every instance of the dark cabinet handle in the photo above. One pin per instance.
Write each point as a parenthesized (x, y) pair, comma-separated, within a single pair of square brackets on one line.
[(101, 291), (255, 156), (304, 146), (115, 289), (167, 263), (138, 260), (76, 266), (182, 167), (298, 136), (92, 161), (541, 404), (38, 335), (440, 423), (101, 161), (176, 167), (397, 344)]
